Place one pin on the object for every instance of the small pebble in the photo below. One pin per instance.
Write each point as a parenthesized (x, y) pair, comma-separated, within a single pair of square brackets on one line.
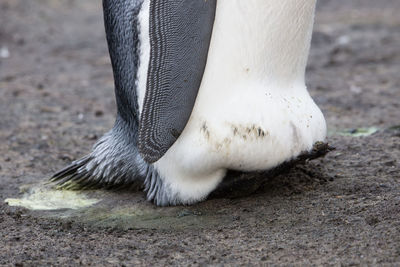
[(98, 113), (92, 137), (4, 52)]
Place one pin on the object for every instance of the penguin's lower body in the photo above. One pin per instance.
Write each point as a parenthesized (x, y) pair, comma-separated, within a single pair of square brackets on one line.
[(246, 132)]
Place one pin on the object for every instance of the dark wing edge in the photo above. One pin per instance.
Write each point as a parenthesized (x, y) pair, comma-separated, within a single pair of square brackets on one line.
[(121, 25), (180, 35)]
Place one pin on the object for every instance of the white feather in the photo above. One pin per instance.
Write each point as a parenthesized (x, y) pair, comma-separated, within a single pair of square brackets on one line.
[(144, 50)]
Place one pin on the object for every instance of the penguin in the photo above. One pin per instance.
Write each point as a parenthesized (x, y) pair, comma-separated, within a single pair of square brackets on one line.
[(202, 87)]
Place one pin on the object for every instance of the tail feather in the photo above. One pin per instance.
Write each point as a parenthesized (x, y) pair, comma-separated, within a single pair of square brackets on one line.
[(69, 170), (77, 176), (113, 163)]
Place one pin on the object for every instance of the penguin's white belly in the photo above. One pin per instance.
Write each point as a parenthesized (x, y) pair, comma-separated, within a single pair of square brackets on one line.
[(253, 110)]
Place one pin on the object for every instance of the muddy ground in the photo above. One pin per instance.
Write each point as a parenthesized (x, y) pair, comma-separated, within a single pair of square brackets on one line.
[(56, 99)]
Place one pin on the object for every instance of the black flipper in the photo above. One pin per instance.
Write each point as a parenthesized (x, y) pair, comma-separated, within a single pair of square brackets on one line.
[(180, 34)]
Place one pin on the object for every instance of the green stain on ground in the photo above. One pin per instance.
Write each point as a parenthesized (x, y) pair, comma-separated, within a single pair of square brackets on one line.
[(142, 217), (356, 132), (42, 198)]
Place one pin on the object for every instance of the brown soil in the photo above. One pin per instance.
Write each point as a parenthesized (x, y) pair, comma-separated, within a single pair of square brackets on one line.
[(56, 98)]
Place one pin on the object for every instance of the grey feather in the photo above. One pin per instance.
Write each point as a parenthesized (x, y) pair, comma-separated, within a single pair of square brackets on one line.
[(113, 162), (121, 25)]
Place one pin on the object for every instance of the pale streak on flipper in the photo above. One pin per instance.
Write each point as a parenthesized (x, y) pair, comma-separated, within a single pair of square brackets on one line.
[(180, 34)]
